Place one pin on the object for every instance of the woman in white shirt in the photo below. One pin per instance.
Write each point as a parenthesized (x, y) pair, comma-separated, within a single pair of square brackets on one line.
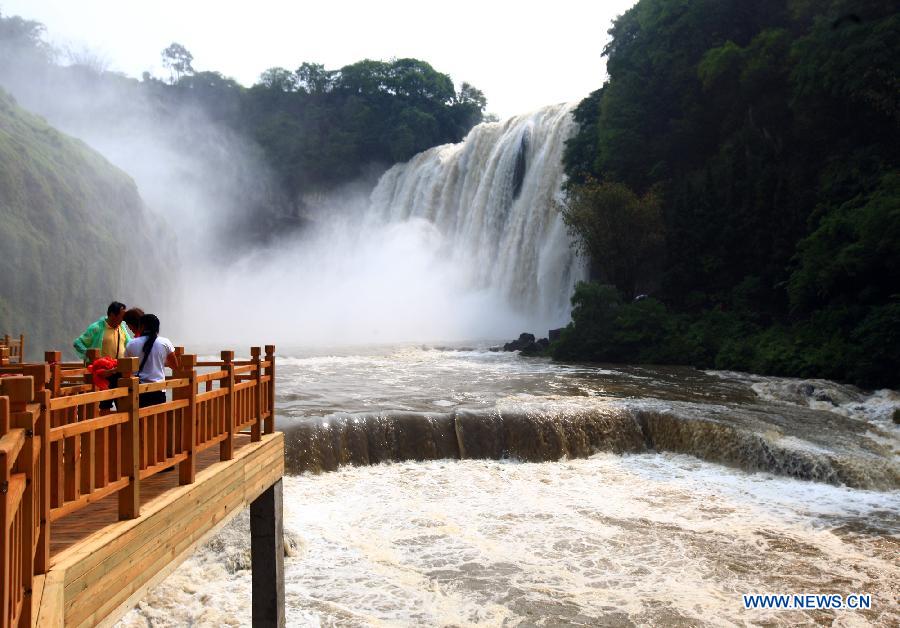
[(155, 353)]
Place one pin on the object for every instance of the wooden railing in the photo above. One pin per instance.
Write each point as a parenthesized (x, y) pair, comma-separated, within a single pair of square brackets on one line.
[(68, 378), (24, 547), (15, 349), (60, 452)]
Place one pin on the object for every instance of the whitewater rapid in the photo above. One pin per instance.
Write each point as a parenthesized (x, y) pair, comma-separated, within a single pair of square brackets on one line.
[(642, 536), (610, 540)]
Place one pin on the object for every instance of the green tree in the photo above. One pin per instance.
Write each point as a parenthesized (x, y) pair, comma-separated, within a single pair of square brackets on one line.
[(314, 78), (621, 233), (279, 79), (23, 40), (178, 60)]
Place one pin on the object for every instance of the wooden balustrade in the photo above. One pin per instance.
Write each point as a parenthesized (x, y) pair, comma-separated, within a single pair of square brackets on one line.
[(59, 451), (66, 378), (14, 349), (24, 547)]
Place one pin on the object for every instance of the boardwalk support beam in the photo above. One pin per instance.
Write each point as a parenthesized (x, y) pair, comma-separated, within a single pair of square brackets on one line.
[(267, 558)]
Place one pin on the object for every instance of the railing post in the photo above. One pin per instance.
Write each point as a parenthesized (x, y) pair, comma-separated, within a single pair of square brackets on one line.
[(92, 354), (188, 468), (20, 391), (5, 515), (40, 373), (256, 428), (21, 348), (42, 429), (270, 358), (130, 496), (4, 355), (226, 448), (25, 419), (53, 359)]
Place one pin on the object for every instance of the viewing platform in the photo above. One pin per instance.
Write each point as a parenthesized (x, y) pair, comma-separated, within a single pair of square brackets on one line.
[(98, 506)]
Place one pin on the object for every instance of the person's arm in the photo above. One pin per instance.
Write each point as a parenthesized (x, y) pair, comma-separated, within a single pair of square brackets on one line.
[(173, 362), (83, 342)]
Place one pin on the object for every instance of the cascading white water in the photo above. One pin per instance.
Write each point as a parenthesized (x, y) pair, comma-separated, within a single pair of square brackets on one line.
[(493, 197)]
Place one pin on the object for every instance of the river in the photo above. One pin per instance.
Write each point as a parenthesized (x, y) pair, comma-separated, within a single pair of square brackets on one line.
[(586, 495)]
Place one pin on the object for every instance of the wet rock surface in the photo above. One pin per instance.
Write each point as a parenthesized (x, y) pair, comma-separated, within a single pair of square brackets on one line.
[(528, 346)]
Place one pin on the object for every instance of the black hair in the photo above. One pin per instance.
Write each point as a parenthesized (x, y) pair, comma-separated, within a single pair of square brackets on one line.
[(132, 317), (115, 307), (150, 329)]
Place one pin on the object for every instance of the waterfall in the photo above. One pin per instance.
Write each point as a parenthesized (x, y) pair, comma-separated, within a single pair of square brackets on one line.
[(493, 198), (462, 242)]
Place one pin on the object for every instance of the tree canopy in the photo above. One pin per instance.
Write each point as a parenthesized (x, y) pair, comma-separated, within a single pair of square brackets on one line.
[(323, 127), (770, 132)]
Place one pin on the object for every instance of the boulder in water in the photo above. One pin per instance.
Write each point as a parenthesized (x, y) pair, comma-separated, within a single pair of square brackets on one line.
[(527, 345), (525, 340), (537, 348)]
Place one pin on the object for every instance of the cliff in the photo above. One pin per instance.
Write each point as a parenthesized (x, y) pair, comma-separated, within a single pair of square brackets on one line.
[(74, 235)]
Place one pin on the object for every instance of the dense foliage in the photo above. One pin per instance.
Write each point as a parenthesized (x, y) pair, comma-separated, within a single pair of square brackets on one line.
[(315, 128), (320, 128), (769, 133), (70, 225)]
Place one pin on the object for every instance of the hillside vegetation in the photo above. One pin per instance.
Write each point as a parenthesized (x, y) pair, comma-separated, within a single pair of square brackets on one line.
[(74, 235), (748, 152)]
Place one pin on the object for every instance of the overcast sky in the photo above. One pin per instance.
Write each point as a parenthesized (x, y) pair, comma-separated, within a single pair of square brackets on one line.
[(522, 55)]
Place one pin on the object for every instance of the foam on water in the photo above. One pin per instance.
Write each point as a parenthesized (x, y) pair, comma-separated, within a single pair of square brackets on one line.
[(610, 540), (653, 538)]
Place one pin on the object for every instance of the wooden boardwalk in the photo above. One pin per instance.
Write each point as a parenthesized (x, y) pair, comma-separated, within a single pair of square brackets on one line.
[(98, 506), (94, 581)]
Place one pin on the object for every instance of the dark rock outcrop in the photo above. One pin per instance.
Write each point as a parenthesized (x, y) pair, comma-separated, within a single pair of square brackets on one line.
[(536, 348), (527, 345), (525, 339)]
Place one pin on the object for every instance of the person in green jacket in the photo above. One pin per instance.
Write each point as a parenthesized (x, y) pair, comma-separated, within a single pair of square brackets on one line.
[(109, 335)]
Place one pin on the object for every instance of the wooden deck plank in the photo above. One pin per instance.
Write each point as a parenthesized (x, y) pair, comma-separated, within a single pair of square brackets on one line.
[(52, 608), (37, 592)]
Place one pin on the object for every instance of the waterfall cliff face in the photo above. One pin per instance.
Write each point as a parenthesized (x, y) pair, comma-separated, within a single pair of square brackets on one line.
[(493, 198)]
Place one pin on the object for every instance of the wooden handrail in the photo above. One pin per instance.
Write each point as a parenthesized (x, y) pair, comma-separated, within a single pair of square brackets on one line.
[(166, 384), (209, 377), (11, 444), (59, 452)]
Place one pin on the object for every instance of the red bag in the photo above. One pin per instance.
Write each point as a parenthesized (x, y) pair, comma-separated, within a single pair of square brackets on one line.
[(98, 369)]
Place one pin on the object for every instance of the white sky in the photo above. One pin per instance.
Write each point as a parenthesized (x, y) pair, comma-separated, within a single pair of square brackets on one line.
[(522, 55)]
